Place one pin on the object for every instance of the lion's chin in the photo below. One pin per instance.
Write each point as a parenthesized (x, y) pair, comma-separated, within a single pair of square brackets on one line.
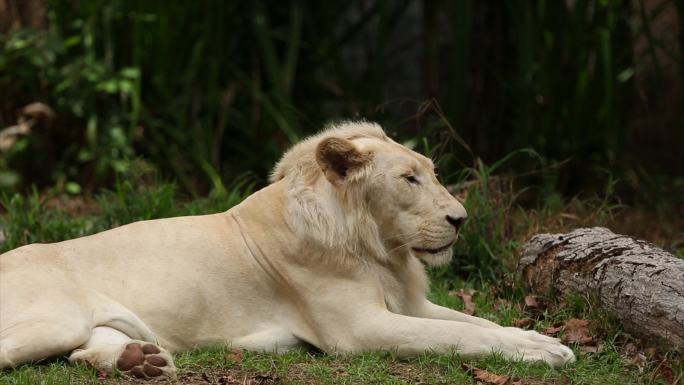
[(437, 259)]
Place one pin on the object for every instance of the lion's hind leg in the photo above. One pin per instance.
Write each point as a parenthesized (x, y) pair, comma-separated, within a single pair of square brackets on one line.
[(32, 341), (33, 328), (109, 348)]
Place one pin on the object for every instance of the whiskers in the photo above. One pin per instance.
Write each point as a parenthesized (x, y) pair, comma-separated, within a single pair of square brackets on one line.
[(431, 238), (414, 234), (408, 238)]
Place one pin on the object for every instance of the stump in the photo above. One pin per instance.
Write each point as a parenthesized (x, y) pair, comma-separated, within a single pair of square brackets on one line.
[(639, 283)]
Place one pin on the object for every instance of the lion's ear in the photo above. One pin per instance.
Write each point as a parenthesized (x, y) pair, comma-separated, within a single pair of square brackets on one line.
[(339, 158)]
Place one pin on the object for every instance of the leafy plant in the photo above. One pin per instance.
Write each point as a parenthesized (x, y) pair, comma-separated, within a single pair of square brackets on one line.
[(143, 196), (28, 221)]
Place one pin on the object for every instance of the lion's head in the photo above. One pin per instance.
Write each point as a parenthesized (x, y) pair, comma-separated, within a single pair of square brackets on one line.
[(352, 188)]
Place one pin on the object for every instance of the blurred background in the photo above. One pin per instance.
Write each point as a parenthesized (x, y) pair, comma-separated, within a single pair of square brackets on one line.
[(563, 100)]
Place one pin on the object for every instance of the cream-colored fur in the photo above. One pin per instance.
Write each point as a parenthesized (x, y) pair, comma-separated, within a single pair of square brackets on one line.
[(328, 254)]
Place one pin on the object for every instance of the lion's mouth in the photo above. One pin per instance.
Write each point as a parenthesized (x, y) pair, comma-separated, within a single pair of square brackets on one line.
[(434, 251)]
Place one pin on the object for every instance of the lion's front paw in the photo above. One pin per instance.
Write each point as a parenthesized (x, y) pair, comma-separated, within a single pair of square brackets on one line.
[(529, 345), (553, 353), (145, 360)]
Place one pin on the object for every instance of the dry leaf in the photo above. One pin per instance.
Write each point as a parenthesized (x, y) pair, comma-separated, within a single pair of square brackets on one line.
[(468, 304), (490, 378), (553, 330), (664, 371), (228, 380), (235, 355), (577, 330), (531, 302), (630, 348), (592, 349), (502, 303), (522, 323), (638, 360), (485, 376)]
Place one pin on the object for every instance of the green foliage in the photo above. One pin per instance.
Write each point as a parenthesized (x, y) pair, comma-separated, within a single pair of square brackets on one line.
[(29, 219), (498, 218), (62, 67), (128, 204), (209, 88), (207, 91)]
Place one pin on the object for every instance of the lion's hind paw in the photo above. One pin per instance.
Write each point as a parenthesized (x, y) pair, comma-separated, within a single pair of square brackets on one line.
[(145, 360)]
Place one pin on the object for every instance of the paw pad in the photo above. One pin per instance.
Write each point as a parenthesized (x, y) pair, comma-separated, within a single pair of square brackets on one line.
[(141, 361)]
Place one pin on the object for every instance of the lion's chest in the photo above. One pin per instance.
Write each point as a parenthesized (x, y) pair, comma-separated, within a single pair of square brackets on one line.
[(395, 303), (403, 288)]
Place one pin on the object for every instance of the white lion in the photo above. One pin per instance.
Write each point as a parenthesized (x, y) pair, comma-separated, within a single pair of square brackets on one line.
[(327, 254)]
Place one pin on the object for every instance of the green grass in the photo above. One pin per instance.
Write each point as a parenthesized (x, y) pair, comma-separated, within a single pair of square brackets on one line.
[(610, 366), (498, 297)]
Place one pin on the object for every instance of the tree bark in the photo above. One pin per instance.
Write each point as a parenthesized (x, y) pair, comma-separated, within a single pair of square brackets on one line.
[(639, 283)]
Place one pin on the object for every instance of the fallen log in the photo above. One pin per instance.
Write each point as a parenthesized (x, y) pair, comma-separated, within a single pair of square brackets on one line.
[(639, 283)]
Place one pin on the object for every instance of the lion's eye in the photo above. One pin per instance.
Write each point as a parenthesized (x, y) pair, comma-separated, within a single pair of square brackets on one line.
[(411, 179)]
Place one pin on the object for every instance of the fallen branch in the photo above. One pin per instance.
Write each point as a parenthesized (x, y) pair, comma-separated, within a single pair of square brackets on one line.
[(639, 283)]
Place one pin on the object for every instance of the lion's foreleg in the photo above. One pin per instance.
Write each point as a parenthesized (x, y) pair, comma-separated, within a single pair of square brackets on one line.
[(430, 310), (411, 336)]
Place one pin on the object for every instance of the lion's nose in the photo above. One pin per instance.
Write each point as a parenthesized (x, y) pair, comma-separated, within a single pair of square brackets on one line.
[(455, 221)]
